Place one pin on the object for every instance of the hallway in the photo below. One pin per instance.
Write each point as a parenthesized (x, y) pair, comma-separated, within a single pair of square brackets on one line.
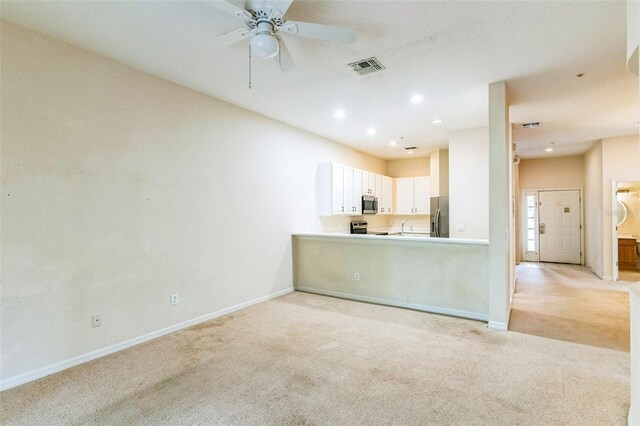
[(570, 303)]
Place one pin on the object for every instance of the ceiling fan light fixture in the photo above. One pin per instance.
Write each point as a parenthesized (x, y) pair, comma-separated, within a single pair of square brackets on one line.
[(264, 45)]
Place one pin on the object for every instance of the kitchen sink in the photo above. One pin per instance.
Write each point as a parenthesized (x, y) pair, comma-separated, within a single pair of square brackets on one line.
[(410, 234)]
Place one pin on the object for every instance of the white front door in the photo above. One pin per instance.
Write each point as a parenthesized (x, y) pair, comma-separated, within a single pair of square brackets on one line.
[(559, 226)]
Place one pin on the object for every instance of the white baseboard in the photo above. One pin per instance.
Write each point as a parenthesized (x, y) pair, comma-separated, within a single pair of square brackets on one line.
[(387, 302), (39, 373), (607, 278), (495, 325)]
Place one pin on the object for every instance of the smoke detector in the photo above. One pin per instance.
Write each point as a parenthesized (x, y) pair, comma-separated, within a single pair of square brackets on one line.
[(367, 66), (533, 125)]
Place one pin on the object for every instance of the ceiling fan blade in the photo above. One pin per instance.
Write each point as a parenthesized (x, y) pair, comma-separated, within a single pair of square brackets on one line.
[(227, 7), (227, 39), (281, 5), (320, 31), (284, 59)]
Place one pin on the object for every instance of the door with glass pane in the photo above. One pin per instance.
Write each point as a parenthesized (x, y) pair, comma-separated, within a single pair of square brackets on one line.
[(531, 236), (559, 224)]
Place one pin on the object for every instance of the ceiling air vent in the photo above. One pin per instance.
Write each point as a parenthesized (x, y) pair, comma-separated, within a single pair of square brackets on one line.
[(367, 66), (411, 148), (533, 125)]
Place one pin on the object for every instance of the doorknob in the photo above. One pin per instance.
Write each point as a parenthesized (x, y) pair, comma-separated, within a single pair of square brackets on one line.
[(542, 228)]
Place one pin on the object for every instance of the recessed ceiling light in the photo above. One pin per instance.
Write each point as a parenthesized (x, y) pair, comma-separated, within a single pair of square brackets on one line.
[(436, 121), (339, 114), (371, 131), (548, 149), (393, 143), (416, 99)]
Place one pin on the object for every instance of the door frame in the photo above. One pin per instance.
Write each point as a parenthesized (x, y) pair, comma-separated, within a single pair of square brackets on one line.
[(523, 220), (614, 230), (614, 227)]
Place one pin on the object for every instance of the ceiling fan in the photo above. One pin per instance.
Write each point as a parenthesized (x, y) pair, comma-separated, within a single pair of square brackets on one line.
[(264, 23)]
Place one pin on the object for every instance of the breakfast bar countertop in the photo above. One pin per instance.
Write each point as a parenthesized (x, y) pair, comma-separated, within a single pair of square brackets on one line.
[(409, 236)]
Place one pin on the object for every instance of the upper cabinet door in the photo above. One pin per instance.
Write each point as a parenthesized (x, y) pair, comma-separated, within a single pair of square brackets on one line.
[(357, 191), (378, 187), (368, 183), (349, 206), (404, 196), (422, 199), (387, 195), (337, 174)]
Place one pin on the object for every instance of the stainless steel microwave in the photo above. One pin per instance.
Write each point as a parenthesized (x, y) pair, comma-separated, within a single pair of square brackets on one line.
[(369, 204)]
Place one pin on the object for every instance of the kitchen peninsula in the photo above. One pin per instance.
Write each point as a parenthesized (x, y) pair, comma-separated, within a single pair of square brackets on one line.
[(440, 275)]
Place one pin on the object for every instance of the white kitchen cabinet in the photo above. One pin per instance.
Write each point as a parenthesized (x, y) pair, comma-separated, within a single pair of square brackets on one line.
[(368, 183), (386, 200), (352, 191), (348, 190), (339, 190), (422, 201), (404, 196), (357, 191), (378, 187), (337, 184), (412, 195)]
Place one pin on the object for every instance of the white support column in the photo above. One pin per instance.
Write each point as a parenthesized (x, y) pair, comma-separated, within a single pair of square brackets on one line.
[(633, 35), (634, 300), (499, 207)]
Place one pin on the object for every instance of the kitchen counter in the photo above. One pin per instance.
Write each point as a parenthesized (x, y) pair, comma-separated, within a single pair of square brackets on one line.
[(411, 236), (441, 275)]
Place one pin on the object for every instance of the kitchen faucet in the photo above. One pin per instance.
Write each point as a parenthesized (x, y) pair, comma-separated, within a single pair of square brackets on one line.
[(402, 227)]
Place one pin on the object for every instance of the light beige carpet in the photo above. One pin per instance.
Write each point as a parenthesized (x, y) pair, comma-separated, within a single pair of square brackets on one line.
[(304, 359), (569, 302)]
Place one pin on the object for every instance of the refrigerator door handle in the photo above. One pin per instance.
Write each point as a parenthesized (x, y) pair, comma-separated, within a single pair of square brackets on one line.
[(437, 222)]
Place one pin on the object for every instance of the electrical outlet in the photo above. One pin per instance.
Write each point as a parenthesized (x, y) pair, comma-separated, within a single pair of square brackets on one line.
[(357, 276), (174, 299), (460, 227), (96, 320)]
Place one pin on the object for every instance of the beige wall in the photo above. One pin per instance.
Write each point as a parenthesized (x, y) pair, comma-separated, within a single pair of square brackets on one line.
[(593, 209), (552, 173), (119, 188), (409, 167), (439, 166), (469, 183), (619, 163), (610, 160)]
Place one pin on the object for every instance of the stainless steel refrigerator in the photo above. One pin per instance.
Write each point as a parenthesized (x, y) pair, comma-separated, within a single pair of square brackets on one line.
[(440, 217)]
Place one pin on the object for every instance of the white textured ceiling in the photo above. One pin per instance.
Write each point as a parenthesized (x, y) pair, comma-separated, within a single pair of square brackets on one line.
[(446, 51)]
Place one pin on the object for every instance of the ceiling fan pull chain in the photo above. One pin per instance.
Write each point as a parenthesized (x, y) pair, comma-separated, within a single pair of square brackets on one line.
[(249, 66)]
